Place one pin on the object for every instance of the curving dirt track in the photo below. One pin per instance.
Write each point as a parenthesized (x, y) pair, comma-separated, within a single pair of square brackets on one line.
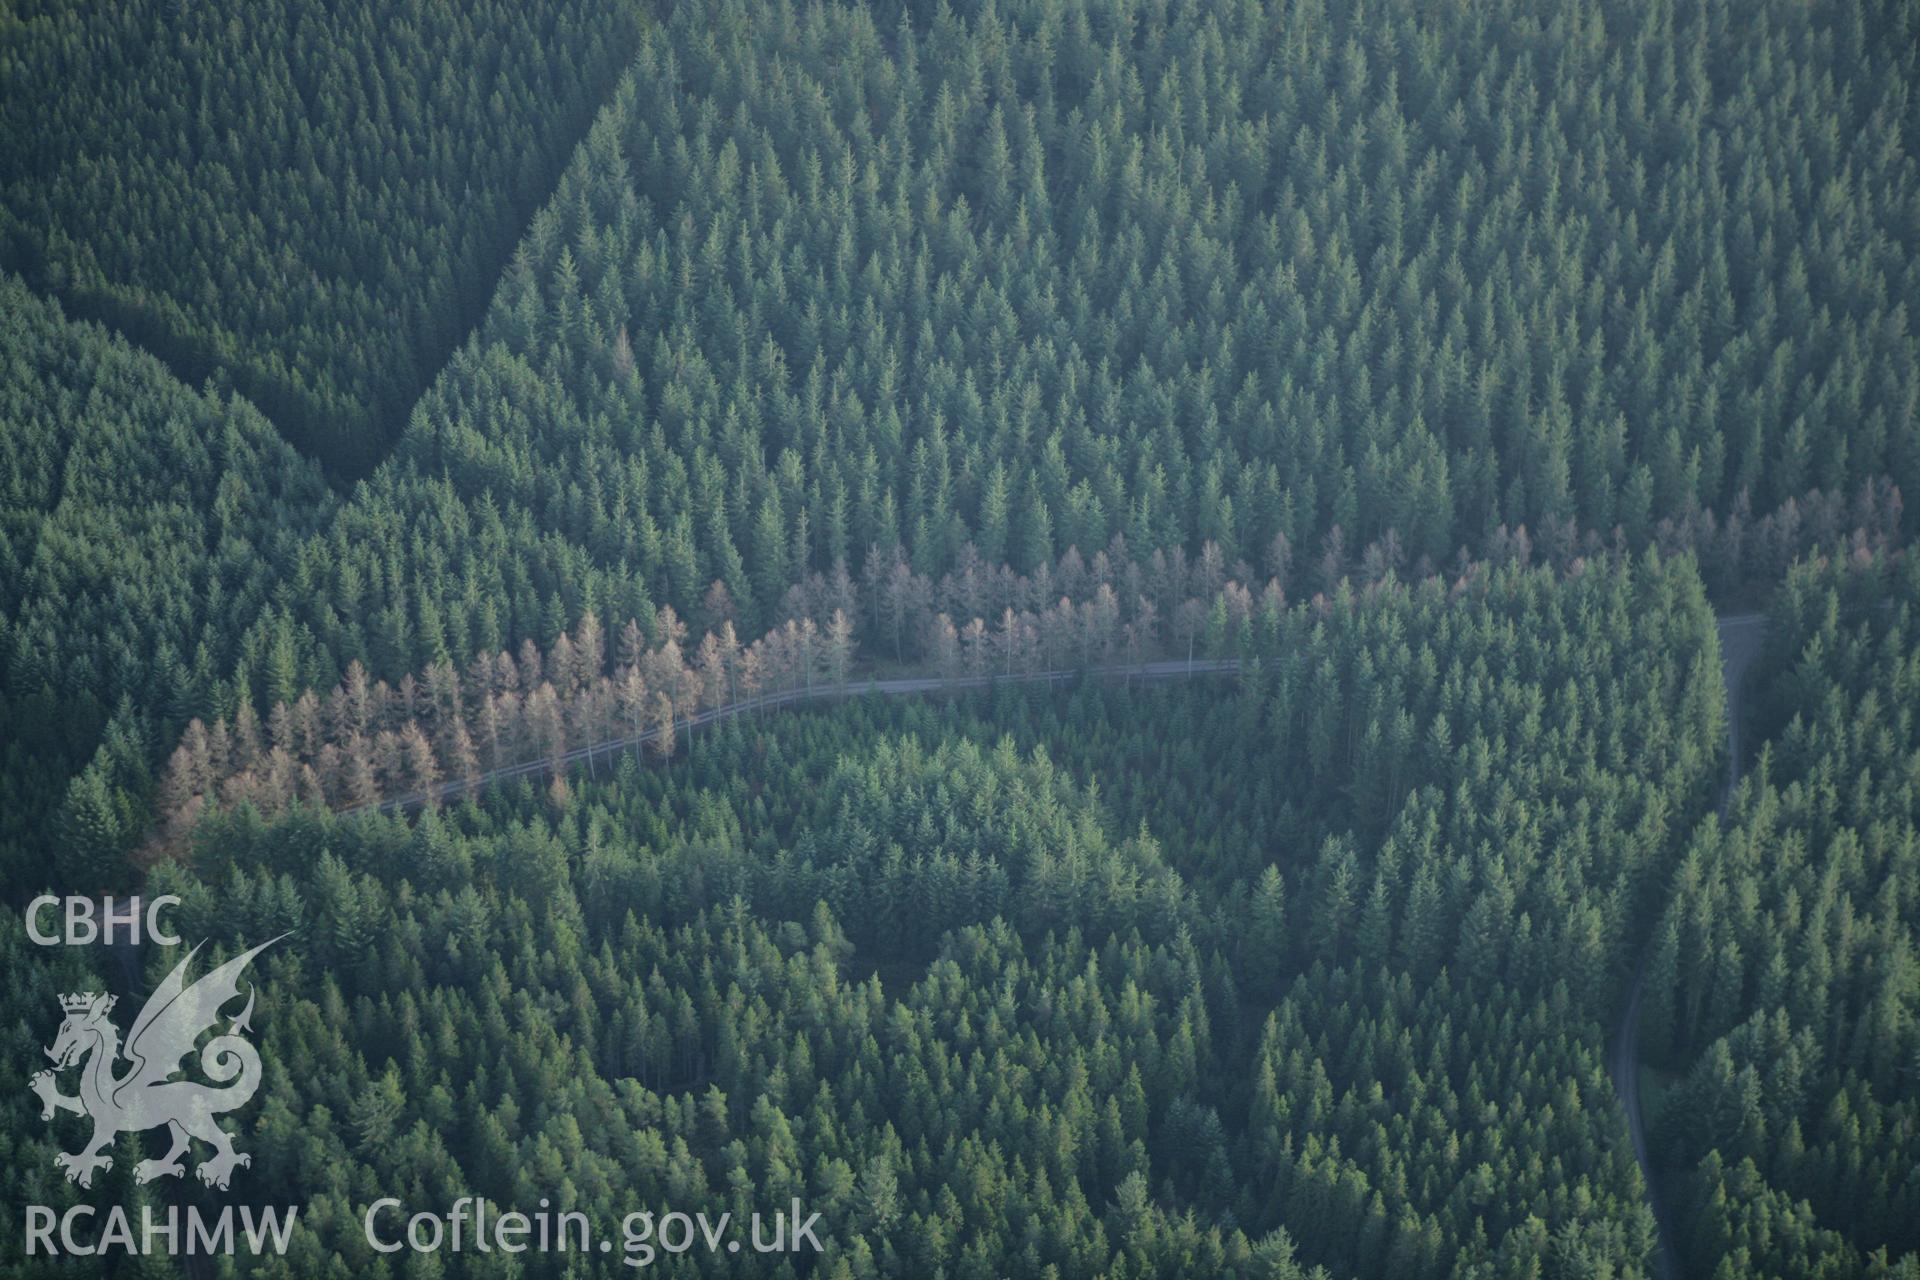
[(1741, 637), (1168, 670)]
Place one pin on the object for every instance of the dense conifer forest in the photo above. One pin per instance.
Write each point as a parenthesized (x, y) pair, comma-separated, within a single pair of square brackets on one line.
[(1784, 966), (305, 201), (1097, 638)]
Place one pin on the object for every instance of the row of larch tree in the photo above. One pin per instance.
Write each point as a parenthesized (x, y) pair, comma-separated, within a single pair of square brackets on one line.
[(367, 741)]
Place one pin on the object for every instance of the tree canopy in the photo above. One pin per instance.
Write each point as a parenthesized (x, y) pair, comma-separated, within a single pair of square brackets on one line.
[(1410, 382), (308, 200)]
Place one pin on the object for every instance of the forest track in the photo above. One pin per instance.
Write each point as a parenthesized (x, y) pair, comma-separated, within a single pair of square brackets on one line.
[(1169, 670), (1741, 636)]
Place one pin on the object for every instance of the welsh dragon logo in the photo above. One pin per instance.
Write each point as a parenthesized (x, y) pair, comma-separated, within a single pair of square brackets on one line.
[(174, 1018)]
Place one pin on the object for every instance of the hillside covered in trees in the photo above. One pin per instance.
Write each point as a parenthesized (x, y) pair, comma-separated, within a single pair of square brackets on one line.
[(699, 747), (1043, 1025), (1008, 280), (914, 293)]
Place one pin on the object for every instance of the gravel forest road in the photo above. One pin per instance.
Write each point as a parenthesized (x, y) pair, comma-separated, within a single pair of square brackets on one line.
[(1741, 637), (1168, 670)]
